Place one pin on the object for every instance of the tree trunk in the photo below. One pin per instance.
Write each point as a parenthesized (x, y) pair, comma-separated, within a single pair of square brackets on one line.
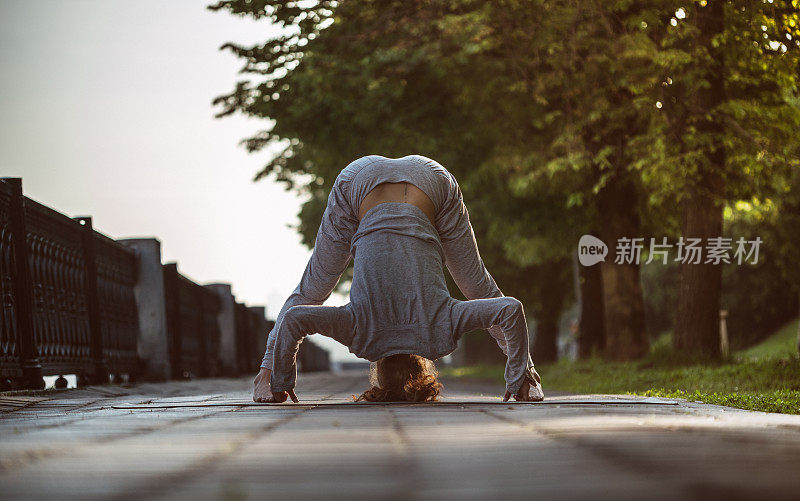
[(592, 324), (699, 288), (623, 303), (697, 321)]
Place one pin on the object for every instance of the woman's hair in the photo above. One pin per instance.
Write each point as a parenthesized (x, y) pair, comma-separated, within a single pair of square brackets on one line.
[(402, 378)]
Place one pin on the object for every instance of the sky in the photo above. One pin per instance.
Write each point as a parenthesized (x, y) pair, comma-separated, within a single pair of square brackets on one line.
[(106, 111)]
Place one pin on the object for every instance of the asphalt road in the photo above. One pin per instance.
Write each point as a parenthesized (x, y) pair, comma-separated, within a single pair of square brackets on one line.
[(206, 439)]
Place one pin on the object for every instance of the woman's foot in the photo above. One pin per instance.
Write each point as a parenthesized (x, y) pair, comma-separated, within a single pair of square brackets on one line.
[(261, 390)]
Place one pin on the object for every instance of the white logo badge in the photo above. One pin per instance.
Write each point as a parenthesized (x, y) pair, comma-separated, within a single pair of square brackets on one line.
[(591, 250)]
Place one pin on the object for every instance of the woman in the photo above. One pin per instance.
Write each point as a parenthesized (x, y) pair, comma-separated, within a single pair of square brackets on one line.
[(401, 220)]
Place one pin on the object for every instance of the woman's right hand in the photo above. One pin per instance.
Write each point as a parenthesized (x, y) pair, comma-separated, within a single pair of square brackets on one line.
[(261, 388), (524, 394), (263, 393)]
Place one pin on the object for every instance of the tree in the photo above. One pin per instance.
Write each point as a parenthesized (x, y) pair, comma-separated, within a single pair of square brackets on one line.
[(726, 131), (580, 71), (410, 78), (392, 79), (558, 118)]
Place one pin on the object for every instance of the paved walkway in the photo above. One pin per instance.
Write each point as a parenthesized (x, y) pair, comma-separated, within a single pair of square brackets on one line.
[(206, 439)]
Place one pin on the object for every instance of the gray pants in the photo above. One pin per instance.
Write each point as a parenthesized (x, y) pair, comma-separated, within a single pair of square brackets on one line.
[(486, 306)]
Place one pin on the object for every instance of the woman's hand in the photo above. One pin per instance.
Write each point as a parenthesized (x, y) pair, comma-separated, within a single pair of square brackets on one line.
[(278, 397), (261, 390), (523, 395)]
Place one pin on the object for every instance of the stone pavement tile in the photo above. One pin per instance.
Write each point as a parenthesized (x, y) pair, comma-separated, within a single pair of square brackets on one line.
[(62, 437), (472, 453), (402, 452), (137, 463), (82, 448), (15, 402), (325, 453), (705, 461), (98, 428), (702, 454)]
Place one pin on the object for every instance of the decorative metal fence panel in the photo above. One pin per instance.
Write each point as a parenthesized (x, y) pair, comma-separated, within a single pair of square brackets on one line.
[(242, 335), (193, 332), (119, 318), (249, 327), (60, 313), (68, 299), (192, 347), (9, 352), (209, 308)]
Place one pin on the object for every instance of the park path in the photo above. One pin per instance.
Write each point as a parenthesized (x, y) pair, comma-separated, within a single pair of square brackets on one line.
[(206, 439)]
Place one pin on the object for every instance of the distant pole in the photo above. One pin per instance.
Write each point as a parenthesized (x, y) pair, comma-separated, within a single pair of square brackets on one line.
[(575, 338), (724, 346)]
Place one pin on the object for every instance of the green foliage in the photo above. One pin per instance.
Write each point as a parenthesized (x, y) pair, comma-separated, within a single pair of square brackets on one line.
[(757, 51), (537, 107)]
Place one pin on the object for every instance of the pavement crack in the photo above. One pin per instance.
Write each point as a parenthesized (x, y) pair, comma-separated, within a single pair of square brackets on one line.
[(398, 433), (406, 468)]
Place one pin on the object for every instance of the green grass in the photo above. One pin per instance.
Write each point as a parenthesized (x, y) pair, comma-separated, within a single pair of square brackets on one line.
[(783, 401), (764, 378), (782, 344)]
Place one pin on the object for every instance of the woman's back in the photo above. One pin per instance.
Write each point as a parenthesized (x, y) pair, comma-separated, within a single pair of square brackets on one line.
[(399, 295), (398, 192)]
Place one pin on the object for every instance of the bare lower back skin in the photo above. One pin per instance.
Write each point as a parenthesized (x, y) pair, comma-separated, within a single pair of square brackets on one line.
[(398, 192)]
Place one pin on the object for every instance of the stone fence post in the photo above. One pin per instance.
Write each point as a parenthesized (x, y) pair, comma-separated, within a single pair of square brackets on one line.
[(153, 343)]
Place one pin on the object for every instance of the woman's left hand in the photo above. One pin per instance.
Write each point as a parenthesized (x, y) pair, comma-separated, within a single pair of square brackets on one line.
[(523, 395), (280, 397)]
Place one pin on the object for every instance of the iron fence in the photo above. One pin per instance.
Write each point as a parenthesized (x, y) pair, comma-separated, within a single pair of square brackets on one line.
[(10, 367), (245, 334), (69, 306), (119, 319), (193, 333)]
